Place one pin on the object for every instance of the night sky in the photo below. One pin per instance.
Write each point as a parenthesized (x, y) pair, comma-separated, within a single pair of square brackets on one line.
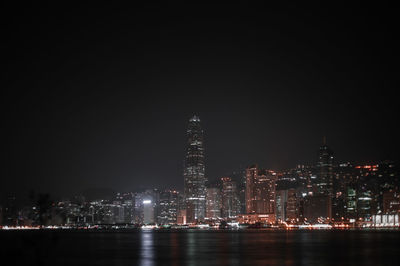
[(100, 96)]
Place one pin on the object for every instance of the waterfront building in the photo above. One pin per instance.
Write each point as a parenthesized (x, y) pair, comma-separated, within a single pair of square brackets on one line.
[(375, 179), (214, 203), (108, 214), (280, 206), (260, 191), (364, 201), (194, 173), (181, 219), (292, 209), (317, 208), (286, 205), (344, 177), (230, 200), (128, 210), (138, 208), (351, 202), (256, 218), (239, 177), (145, 207), (119, 212), (168, 207), (148, 210), (386, 220), (391, 201)]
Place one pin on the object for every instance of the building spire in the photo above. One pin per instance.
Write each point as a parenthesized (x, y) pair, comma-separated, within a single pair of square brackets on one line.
[(324, 140)]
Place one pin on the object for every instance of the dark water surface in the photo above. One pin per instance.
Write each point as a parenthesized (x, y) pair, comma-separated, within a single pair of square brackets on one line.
[(197, 247)]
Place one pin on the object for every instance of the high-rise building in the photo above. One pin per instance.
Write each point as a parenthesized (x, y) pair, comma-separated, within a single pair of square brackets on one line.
[(281, 203), (128, 210), (230, 200), (324, 180), (239, 177), (214, 201), (317, 208), (292, 208), (260, 191), (251, 181), (119, 212), (168, 207), (194, 173), (146, 206), (351, 202), (344, 174), (148, 210), (138, 208), (373, 180), (391, 201), (287, 205)]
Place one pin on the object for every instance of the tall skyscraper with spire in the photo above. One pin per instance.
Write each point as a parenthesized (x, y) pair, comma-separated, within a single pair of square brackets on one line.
[(194, 173)]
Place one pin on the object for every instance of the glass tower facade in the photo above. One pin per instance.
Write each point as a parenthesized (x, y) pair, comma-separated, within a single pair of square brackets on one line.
[(325, 170), (194, 173)]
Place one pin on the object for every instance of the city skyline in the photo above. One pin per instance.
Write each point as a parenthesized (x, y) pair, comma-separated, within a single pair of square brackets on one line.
[(143, 133), (325, 194), (323, 160), (240, 191), (320, 162)]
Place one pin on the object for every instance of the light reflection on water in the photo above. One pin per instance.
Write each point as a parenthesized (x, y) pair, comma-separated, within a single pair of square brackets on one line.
[(200, 247), (147, 248)]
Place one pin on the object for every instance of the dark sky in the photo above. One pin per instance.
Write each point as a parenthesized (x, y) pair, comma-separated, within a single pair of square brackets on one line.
[(100, 96)]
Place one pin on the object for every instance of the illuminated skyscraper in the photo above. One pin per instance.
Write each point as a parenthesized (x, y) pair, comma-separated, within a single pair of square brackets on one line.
[(260, 191), (251, 178), (324, 180), (281, 203), (239, 177), (214, 201), (145, 207), (168, 207), (230, 199), (194, 173), (292, 206), (148, 210)]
